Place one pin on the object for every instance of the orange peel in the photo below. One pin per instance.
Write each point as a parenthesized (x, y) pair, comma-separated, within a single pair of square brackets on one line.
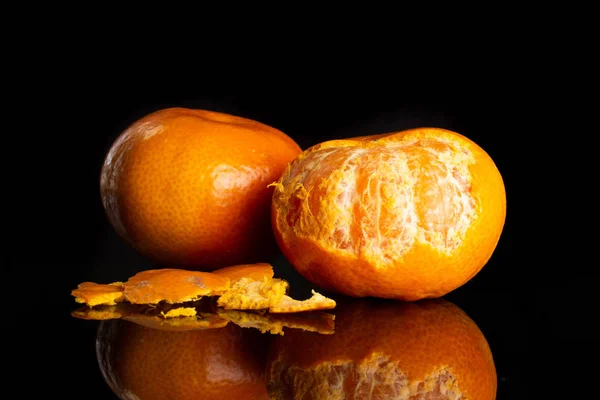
[(172, 286), (256, 272), (316, 302), (238, 287), (94, 294), (247, 294)]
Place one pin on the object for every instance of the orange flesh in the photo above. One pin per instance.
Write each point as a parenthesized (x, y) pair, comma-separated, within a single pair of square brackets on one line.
[(383, 200)]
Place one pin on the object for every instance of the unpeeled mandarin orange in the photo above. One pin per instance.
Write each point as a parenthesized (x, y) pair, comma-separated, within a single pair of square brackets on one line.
[(188, 188), (405, 215)]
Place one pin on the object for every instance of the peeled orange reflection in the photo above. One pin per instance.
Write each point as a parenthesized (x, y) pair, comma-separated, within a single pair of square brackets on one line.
[(385, 349), (143, 363)]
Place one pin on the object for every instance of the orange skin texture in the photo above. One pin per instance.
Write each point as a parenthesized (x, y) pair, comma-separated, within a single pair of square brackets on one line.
[(144, 363), (255, 272), (172, 285), (405, 215), (419, 338), (188, 188), (94, 293)]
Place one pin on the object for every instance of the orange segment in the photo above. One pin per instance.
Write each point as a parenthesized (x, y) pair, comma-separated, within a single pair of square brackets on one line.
[(93, 294), (172, 286)]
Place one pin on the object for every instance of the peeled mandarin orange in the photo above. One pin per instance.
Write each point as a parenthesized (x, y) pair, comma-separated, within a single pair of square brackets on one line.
[(405, 215), (385, 349), (139, 362), (188, 188)]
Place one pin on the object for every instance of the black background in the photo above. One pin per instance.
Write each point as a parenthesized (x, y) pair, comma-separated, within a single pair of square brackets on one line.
[(66, 238)]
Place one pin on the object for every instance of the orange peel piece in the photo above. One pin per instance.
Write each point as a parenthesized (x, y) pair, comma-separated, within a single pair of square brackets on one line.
[(239, 287), (172, 286), (94, 294), (255, 272), (248, 294), (288, 305)]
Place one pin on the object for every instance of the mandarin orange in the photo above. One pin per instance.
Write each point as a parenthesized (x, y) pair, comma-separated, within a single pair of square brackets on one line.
[(385, 349), (405, 215), (143, 363), (188, 188)]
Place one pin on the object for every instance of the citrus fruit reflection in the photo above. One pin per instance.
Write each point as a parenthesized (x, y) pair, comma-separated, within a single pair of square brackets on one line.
[(385, 349), (143, 363), (204, 314)]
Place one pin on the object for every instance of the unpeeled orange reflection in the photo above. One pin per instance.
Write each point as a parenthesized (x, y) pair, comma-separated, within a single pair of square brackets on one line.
[(144, 363)]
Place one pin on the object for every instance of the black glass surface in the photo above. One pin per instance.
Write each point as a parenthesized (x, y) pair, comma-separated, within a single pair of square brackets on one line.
[(515, 313)]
